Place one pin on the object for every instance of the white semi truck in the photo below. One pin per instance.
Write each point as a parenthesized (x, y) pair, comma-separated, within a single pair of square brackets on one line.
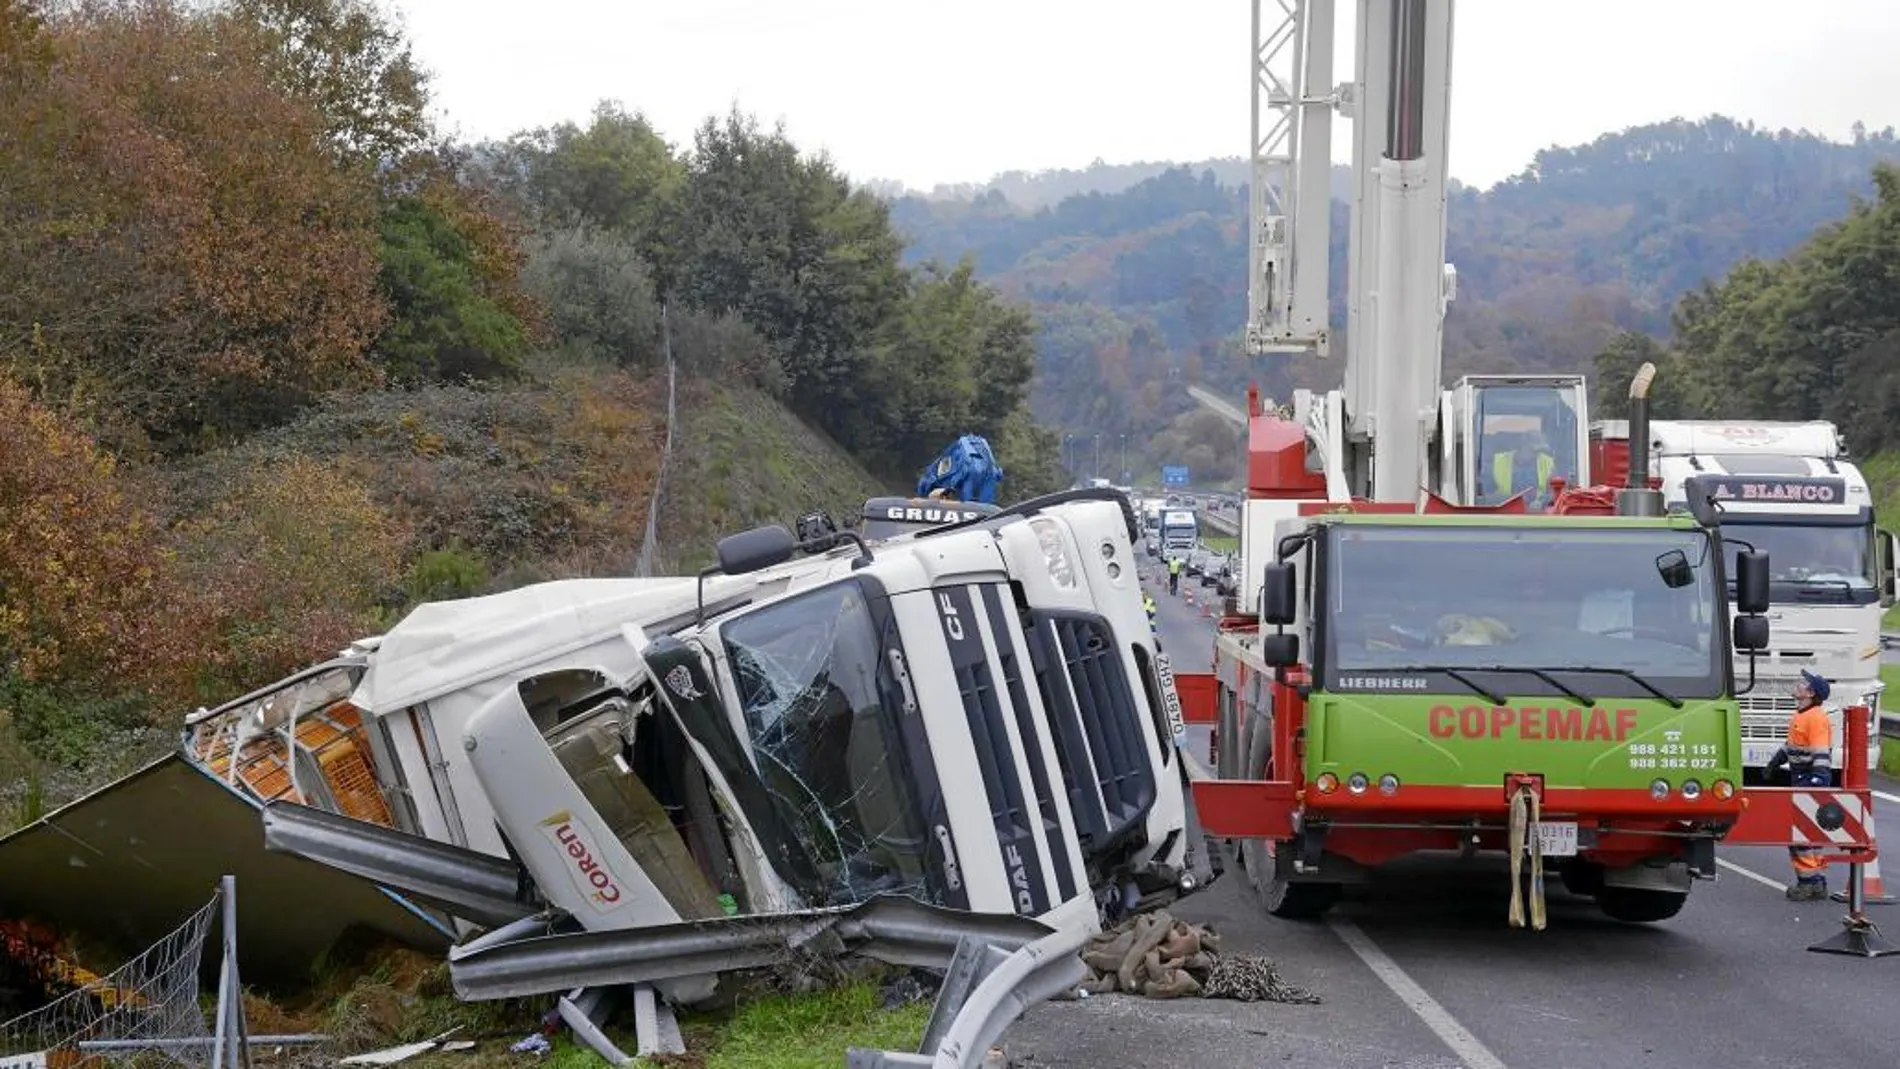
[(1789, 490), (976, 716)]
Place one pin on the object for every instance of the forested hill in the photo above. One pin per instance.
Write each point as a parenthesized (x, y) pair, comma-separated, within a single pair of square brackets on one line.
[(279, 359), (1142, 289)]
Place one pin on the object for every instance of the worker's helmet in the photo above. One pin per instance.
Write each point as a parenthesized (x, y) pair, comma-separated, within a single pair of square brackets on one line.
[(1817, 685)]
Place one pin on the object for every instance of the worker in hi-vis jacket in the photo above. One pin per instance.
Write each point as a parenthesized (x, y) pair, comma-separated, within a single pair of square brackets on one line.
[(1808, 757)]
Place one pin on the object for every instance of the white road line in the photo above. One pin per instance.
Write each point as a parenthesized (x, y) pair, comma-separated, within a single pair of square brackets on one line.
[(1466, 1046), (1895, 798), (1749, 873)]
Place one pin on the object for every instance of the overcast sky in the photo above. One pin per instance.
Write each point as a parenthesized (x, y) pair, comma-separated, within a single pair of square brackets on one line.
[(954, 92)]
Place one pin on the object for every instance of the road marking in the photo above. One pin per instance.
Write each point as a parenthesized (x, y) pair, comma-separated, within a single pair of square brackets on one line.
[(1750, 873), (1466, 1046), (1895, 798)]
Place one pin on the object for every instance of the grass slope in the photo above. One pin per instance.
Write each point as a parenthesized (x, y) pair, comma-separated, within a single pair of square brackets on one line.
[(740, 459)]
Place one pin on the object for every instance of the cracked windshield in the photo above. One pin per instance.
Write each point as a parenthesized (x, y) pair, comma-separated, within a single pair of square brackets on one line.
[(1468, 598), (808, 673)]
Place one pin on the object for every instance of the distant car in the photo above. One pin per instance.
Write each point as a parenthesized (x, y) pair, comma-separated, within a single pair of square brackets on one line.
[(1196, 560), (1215, 566)]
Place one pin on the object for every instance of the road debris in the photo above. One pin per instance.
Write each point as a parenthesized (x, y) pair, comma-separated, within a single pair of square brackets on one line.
[(1155, 955)]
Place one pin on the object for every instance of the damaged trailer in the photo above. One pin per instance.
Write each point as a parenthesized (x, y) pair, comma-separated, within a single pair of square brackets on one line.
[(787, 733)]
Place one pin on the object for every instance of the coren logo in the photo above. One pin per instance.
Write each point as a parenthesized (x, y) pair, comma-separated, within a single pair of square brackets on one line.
[(590, 876)]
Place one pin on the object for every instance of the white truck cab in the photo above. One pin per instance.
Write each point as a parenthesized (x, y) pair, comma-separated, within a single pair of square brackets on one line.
[(1789, 489), (977, 716)]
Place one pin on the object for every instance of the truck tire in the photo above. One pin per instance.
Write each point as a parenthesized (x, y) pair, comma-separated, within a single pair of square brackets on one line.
[(1281, 897), (1640, 905), (1584, 878)]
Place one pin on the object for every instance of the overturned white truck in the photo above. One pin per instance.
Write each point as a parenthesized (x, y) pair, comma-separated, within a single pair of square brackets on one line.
[(976, 717)]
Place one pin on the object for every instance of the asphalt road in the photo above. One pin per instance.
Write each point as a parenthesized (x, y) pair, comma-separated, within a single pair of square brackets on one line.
[(1421, 970)]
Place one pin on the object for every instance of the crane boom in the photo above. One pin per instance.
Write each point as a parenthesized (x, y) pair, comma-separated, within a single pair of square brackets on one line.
[(1292, 144), (1398, 275)]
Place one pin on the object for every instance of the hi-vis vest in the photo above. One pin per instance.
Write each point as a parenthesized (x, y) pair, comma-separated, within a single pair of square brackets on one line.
[(1810, 740), (1501, 470), (1174, 566)]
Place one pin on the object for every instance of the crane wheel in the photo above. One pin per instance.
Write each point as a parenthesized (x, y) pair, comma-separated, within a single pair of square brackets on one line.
[(1281, 896), (1634, 905)]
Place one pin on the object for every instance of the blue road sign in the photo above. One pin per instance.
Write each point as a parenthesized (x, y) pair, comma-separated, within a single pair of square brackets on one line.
[(1174, 475)]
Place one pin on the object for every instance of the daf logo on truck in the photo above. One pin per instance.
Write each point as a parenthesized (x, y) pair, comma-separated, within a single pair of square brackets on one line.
[(1019, 880), (590, 876)]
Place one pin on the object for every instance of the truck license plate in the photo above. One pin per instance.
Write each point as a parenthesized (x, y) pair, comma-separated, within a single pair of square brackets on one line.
[(1558, 838), (1170, 699)]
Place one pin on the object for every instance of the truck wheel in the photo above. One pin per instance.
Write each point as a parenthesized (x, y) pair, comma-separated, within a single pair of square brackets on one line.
[(1281, 896), (1298, 901), (1582, 877), (1640, 906)]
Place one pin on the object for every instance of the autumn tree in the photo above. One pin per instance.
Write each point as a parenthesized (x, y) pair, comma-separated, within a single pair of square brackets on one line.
[(347, 61), (83, 594), (179, 257), (783, 240)]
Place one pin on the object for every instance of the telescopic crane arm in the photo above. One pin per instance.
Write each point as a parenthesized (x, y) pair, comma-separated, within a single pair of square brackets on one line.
[(1372, 436)]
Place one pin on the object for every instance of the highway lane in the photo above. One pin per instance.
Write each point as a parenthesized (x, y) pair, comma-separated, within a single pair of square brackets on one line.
[(1421, 970)]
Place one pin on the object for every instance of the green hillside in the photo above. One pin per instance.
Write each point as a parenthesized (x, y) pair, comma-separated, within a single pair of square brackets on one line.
[(741, 459)]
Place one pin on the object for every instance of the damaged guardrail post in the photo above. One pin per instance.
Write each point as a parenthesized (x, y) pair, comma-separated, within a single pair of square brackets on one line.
[(1009, 984)]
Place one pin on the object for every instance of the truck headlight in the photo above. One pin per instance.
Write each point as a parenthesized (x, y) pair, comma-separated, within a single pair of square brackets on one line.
[(1054, 553)]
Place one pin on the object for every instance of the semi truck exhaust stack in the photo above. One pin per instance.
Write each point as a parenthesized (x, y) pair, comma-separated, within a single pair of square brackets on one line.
[(1637, 499)]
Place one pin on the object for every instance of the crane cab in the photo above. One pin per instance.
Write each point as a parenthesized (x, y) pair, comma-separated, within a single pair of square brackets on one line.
[(1500, 435)]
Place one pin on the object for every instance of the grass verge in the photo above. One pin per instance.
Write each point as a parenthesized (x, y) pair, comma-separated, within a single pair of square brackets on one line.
[(741, 459), (1221, 543), (802, 1031)]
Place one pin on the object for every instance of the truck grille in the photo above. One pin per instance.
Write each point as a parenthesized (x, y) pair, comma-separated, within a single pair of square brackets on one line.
[(1086, 690), (1011, 665)]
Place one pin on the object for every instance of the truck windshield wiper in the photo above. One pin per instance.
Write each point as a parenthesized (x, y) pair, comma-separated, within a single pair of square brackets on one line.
[(1544, 674), (1482, 691), (1674, 702)]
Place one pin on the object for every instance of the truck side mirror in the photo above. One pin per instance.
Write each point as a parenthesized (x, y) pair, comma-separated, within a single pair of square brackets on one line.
[(1279, 600), (1701, 502), (1281, 649), (1751, 633), (1751, 581), (761, 547), (1887, 554)]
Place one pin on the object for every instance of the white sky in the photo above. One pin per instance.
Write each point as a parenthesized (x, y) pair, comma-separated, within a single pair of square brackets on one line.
[(953, 92)]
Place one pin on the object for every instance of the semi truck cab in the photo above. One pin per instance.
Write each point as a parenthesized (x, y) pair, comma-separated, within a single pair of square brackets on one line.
[(1788, 489), (977, 716)]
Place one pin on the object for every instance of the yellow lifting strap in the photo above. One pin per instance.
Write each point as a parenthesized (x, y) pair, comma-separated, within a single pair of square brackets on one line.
[(1526, 810)]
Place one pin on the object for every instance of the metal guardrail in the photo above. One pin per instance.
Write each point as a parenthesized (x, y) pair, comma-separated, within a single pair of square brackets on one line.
[(997, 965)]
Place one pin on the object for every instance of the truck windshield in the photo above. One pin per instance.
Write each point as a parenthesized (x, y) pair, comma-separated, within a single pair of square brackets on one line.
[(810, 682), (1633, 607), (1810, 563), (1525, 435)]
